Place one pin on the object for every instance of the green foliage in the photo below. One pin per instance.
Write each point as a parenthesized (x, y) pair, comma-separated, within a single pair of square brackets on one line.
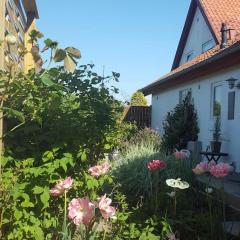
[(59, 109), (217, 129), (144, 136), (181, 125), (33, 214), (138, 99)]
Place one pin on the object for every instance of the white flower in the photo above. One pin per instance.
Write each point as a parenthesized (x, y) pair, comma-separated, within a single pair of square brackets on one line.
[(177, 183), (208, 190), (171, 194)]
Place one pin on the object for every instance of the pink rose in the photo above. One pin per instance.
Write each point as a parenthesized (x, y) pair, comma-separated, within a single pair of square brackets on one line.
[(156, 164), (183, 154), (98, 170), (81, 210), (106, 210), (61, 187), (220, 170), (201, 168)]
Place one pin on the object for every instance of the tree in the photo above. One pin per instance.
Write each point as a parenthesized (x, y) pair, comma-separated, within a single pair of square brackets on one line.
[(138, 99), (180, 125)]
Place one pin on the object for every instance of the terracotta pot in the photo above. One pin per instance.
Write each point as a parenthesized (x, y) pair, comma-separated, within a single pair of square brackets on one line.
[(216, 146)]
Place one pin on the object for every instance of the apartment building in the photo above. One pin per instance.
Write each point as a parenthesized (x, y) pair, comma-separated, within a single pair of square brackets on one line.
[(17, 18)]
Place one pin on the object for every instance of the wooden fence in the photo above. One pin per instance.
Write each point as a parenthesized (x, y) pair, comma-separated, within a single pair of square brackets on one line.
[(141, 116)]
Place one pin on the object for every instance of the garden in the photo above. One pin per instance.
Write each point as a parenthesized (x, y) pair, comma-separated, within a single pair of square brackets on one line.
[(72, 169)]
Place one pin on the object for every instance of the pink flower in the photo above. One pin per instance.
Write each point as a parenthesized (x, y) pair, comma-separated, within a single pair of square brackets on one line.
[(61, 187), (156, 164), (81, 210), (98, 170), (171, 236), (183, 154), (201, 168), (220, 170), (106, 210)]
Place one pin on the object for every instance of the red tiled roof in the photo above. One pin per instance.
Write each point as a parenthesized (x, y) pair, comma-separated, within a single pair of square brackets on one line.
[(217, 12), (201, 58)]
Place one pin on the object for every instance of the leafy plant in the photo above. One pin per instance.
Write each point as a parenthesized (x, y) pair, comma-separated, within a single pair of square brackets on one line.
[(138, 99), (180, 125), (217, 129)]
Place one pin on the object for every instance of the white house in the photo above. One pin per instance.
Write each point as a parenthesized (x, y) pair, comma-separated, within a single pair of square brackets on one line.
[(207, 56)]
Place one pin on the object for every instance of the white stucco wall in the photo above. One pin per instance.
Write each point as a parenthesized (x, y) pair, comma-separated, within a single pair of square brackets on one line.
[(165, 101), (198, 35)]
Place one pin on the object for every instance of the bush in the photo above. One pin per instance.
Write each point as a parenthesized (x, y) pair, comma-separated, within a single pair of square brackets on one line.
[(180, 126), (144, 136), (138, 99)]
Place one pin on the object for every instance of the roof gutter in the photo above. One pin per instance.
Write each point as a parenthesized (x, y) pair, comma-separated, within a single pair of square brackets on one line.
[(149, 89)]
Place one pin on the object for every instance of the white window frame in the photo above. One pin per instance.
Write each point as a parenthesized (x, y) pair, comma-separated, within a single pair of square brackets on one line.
[(191, 55), (10, 4), (183, 93), (214, 85)]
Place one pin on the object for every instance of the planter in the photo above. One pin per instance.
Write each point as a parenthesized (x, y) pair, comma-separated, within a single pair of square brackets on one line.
[(216, 146)]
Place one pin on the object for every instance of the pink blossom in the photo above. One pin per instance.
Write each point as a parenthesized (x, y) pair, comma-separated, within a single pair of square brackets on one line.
[(171, 236), (220, 170), (61, 187), (106, 210), (156, 164), (201, 168), (81, 210), (98, 170), (183, 154)]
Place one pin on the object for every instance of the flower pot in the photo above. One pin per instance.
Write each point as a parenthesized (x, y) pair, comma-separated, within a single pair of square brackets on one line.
[(216, 146)]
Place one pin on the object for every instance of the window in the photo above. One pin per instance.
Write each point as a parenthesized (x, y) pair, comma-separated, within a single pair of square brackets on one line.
[(20, 20), (20, 37), (207, 45), (216, 106), (10, 4), (231, 105), (183, 93), (16, 27), (189, 56)]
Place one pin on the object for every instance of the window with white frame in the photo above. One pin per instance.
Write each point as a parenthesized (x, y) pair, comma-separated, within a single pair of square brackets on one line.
[(189, 56), (10, 3), (208, 45), (183, 93), (216, 99)]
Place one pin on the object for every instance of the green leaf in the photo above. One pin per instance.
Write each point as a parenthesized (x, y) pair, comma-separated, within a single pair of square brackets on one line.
[(59, 55), (45, 78), (107, 146), (27, 204), (18, 214), (50, 44), (74, 52), (84, 156), (14, 113), (69, 64), (38, 190), (45, 197)]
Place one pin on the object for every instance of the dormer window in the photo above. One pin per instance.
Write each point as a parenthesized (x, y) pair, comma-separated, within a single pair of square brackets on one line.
[(189, 56), (207, 45)]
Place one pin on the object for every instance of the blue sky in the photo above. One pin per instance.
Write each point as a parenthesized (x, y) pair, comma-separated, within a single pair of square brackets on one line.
[(137, 38)]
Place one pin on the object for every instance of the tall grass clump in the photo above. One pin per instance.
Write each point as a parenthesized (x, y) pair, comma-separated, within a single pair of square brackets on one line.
[(130, 168)]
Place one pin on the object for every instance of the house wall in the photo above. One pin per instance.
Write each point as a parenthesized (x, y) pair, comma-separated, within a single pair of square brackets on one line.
[(198, 35), (165, 101)]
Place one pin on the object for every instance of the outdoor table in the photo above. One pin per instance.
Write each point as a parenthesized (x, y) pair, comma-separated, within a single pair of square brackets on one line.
[(213, 155)]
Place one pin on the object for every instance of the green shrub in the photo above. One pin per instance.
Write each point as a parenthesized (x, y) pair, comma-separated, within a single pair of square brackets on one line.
[(138, 99), (144, 136), (180, 126)]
